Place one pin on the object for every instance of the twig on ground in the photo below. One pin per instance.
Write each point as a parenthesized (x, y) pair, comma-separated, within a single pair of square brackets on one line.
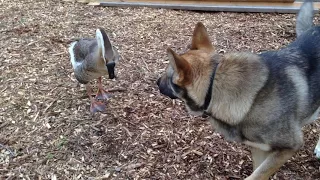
[(117, 90), (12, 154), (49, 106)]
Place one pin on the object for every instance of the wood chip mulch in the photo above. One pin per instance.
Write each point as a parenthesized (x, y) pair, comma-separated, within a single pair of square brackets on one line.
[(47, 131)]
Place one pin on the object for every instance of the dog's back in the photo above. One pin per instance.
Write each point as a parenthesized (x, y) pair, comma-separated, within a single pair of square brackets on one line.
[(295, 69), (308, 45), (293, 80), (290, 97)]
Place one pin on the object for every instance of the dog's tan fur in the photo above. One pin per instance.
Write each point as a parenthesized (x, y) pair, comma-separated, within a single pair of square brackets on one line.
[(234, 78)]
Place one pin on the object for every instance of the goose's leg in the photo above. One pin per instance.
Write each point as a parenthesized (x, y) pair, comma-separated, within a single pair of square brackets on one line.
[(95, 105), (102, 93)]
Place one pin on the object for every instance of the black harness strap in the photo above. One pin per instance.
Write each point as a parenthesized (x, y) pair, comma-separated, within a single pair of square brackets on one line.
[(208, 97), (190, 102), (209, 92)]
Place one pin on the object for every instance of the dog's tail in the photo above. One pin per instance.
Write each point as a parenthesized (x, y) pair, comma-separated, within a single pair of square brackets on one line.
[(305, 17)]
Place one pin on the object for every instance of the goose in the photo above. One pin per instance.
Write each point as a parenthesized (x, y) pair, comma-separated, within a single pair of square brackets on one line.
[(92, 58)]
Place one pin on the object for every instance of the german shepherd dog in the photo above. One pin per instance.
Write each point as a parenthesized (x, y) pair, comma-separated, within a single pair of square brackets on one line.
[(261, 100)]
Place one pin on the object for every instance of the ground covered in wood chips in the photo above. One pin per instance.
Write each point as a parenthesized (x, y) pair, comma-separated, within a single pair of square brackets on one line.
[(47, 131)]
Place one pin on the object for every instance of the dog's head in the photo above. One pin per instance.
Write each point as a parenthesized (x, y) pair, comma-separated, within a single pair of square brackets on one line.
[(187, 76)]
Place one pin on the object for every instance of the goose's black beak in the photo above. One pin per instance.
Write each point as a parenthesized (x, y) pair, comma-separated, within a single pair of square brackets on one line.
[(111, 66)]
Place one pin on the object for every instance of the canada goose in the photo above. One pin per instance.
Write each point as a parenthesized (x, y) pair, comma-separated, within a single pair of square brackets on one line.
[(92, 58)]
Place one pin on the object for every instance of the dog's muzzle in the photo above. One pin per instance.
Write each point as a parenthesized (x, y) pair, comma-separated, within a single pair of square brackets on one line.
[(165, 90), (111, 67)]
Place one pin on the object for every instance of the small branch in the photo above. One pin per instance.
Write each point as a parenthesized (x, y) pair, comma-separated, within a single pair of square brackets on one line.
[(4, 89), (49, 106), (117, 90), (8, 149), (4, 125), (58, 54), (146, 65), (35, 118)]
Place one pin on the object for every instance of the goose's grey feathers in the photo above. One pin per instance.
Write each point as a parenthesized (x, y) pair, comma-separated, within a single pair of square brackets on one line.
[(84, 47)]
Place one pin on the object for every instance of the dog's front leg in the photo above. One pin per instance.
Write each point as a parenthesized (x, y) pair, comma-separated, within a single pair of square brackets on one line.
[(271, 164), (258, 156)]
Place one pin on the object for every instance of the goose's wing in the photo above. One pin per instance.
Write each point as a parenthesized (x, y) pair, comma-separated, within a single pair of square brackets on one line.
[(84, 47), (80, 49)]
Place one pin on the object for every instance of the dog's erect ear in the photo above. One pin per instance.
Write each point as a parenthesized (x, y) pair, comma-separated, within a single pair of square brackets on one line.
[(181, 66), (200, 39)]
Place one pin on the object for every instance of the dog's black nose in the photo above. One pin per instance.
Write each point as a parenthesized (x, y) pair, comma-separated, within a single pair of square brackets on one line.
[(158, 82)]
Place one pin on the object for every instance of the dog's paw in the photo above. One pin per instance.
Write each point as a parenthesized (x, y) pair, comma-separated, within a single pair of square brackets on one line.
[(317, 151)]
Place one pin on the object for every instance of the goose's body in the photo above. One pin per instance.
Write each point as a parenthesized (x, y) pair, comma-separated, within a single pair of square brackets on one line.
[(85, 62), (92, 58)]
